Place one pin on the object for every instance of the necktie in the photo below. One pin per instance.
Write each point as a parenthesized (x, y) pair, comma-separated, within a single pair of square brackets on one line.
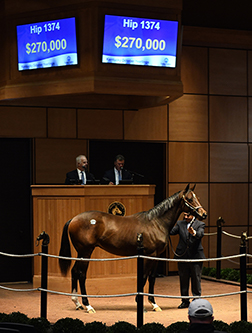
[(120, 176), (82, 178)]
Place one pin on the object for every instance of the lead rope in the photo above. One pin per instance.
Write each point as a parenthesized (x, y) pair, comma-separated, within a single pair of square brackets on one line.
[(174, 252)]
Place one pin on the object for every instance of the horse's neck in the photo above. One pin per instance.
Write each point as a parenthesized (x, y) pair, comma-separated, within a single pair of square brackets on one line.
[(171, 217)]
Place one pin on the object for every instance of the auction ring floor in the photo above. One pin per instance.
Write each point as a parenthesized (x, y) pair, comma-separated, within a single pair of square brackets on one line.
[(112, 310)]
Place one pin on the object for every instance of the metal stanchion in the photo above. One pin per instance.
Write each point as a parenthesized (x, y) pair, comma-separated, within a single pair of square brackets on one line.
[(44, 270), (243, 277), (220, 222), (140, 264)]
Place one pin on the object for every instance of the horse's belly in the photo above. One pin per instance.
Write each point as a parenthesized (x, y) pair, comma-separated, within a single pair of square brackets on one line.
[(126, 249)]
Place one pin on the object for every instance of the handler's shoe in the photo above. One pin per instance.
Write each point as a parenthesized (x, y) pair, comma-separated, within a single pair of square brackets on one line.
[(184, 305)]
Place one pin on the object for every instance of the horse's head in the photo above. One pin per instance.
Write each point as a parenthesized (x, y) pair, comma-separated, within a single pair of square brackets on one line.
[(191, 203)]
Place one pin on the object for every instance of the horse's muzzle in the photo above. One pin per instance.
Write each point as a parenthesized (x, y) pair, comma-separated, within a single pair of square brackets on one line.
[(204, 216)]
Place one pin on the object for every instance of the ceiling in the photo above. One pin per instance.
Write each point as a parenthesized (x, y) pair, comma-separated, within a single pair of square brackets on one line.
[(223, 14)]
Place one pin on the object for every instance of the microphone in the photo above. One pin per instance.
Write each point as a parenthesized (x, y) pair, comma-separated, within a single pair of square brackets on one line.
[(135, 173), (106, 179)]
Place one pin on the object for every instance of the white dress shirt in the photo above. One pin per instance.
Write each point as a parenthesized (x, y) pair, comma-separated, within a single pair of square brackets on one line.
[(80, 175)]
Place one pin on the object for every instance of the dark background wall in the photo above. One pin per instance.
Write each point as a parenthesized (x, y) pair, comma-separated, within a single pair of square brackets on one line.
[(16, 226), (144, 158)]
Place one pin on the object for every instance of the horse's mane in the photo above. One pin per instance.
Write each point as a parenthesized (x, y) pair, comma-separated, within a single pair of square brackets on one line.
[(163, 206)]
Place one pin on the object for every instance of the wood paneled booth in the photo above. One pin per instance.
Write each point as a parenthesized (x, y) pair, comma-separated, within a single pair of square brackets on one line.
[(53, 206)]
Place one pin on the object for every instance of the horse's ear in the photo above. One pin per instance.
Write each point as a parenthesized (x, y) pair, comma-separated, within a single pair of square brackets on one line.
[(193, 187), (187, 188)]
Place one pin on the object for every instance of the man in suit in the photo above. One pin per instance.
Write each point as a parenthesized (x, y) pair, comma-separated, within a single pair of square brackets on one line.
[(113, 176), (190, 231), (80, 175)]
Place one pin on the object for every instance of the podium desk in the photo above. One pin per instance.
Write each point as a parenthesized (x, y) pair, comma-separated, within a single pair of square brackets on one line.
[(54, 205)]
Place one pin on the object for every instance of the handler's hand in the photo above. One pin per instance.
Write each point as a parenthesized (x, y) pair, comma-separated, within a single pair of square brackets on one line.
[(191, 231)]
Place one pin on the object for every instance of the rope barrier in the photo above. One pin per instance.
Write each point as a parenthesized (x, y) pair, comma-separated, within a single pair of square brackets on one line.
[(43, 289), (91, 296), (230, 235), (205, 296), (210, 234), (130, 257), (123, 295), (13, 289), (144, 294), (19, 255), (234, 262), (87, 259), (196, 260)]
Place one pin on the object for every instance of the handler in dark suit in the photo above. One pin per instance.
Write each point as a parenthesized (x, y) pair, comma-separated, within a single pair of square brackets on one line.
[(80, 175), (113, 176), (190, 231)]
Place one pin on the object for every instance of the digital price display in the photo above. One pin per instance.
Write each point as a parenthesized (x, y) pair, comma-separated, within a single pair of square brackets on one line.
[(47, 44), (138, 41)]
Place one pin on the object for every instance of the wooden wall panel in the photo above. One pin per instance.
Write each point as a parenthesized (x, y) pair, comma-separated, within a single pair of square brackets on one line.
[(228, 119), (51, 216), (100, 124), (62, 123), (230, 201), (250, 73), (55, 157), (22, 122), (227, 72), (188, 118), (194, 70), (228, 162), (250, 212), (250, 162), (188, 162), (250, 119), (146, 124)]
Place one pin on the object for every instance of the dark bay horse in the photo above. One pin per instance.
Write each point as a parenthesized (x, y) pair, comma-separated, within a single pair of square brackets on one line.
[(118, 235)]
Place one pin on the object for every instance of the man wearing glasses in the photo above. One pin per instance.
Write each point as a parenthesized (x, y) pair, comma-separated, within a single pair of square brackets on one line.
[(190, 231)]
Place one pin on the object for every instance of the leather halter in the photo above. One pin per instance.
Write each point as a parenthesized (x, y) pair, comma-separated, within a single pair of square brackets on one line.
[(193, 209)]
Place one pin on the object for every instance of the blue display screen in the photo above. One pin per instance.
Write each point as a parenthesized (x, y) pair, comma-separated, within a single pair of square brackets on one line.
[(139, 41), (47, 44)]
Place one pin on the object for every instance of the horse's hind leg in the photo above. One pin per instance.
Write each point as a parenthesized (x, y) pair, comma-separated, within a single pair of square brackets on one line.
[(75, 278), (79, 274), (82, 281), (152, 279)]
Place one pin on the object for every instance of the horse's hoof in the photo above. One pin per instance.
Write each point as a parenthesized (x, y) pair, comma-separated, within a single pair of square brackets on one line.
[(144, 310), (157, 308), (90, 309), (79, 307)]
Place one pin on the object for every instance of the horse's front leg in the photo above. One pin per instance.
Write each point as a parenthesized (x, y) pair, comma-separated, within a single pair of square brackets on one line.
[(145, 270), (152, 279)]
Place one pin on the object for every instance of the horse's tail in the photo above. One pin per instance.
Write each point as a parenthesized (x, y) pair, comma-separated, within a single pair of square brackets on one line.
[(65, 250)]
